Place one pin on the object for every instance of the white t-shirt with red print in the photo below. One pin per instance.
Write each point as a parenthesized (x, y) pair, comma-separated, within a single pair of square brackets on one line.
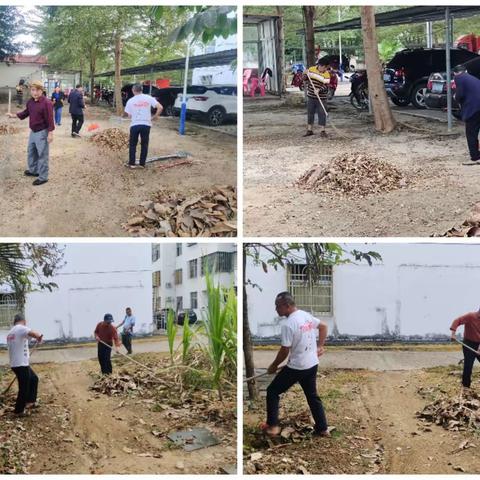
[(299, 333), (17, 341)]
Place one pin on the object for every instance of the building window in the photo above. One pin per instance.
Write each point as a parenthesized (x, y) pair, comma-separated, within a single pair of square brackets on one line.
[(314, 297), (157, 301), (156, 279), (178, 276), (193, 268), (155, 252), (8, 309), (193, 300), (179, 249), (179, 304), (218, 262)]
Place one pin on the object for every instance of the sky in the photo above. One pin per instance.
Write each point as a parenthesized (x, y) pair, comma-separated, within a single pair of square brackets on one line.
[(28, 13)]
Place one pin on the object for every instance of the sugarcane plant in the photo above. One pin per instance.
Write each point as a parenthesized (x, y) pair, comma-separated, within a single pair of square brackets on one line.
[(220, 327), (187, 336), (171, 332)]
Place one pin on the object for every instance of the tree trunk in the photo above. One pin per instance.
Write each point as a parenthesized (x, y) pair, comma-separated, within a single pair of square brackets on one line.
[(384, 121), (118, 78), (92, 78), (309, 17), (281, 51), (247, 337)]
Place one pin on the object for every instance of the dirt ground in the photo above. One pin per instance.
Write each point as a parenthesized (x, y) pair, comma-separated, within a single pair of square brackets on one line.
[(79, 431), (440, 196), (376, 427), (90, 192)]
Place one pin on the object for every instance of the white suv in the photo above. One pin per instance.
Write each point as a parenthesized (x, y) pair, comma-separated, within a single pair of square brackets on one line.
[(213, 104)]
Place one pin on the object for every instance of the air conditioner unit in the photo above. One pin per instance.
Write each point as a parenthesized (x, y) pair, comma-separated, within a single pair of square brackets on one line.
[(168, 285)]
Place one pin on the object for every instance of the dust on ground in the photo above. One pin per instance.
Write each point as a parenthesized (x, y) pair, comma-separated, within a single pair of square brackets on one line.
[(377, 429), (439, 195), (80, 431), (90, 192)]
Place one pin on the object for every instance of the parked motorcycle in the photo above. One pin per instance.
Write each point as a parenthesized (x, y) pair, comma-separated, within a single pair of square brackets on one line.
[(359, 90)]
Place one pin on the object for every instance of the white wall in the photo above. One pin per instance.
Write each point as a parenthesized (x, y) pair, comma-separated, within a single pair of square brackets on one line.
[(97, 279), (11, 74), (417, 290)]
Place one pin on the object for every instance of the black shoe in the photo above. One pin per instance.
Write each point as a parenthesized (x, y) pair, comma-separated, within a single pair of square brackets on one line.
[(39, 182), (323, 134), (28, 173), (309, 133), (73, 135)]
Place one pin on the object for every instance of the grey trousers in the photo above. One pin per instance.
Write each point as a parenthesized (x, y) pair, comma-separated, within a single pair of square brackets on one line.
[(313, 106), (38, 154)]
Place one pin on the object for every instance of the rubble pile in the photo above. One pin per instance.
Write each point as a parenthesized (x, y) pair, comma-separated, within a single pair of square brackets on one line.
[(111, 139), (457, 414), (211, 213), (354, 175), (7, 129)]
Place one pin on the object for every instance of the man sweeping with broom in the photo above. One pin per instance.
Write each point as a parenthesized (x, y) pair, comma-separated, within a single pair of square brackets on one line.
[(106, 335), (19, 355), (317, 79), (300, 347), (470, 344)]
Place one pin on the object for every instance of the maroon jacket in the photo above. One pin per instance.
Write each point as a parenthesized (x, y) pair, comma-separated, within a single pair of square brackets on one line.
[(40, 113)]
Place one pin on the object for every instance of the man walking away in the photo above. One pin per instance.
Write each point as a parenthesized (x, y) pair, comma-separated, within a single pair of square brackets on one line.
[(467, 94), (127, 334), (471, 337), (299, 345), (19, 355), (105, 332), (57, 99), (317, 79), (39, 110), (138, 109), (77, 106)]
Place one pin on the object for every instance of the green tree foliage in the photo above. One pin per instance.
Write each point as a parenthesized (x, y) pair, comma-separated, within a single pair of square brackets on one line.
[(11, 24), (27, 267)]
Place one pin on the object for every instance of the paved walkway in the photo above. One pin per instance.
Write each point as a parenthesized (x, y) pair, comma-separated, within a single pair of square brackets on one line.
[(373, 359)]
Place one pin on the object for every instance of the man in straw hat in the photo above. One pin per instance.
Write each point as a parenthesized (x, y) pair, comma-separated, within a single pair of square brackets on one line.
[(39, 110)]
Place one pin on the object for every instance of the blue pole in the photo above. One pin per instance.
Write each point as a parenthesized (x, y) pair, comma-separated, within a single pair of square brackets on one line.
[(183, 110)]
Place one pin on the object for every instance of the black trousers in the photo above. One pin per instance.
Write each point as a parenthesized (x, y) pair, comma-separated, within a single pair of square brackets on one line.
[(27, 387), (104, 358), (77, 122), (142, 131), (472, 129), (468, 361), (127, 341), (285, 379)]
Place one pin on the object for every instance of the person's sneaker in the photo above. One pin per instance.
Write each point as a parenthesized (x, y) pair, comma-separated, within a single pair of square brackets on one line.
[(309, 133), (32, 406), (323, 134), (28, 173), (20, 415), (472, 162), (39, 182), (132, 167), (140, 166), (75, 134)]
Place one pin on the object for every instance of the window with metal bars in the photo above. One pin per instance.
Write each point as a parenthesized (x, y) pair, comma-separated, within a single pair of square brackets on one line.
[(193, 300), (155, 252), (193, 268), (314, 297), (178, 276), (156, 300), (179, 304), (8, 309), (217, 262), (156, 279), (179, 249)]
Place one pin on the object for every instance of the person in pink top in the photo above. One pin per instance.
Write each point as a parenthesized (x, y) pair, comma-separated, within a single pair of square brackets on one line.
[(471, 338)]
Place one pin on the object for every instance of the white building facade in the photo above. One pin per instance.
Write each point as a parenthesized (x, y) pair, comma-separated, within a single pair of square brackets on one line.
[(414, 293), (178, 274), (96, 279)]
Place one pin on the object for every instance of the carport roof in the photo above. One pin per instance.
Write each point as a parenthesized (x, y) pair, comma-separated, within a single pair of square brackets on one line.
[(402, 16), (207, 60), (255, 19)]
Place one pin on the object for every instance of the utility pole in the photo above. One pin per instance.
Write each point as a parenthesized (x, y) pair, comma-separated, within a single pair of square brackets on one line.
[(340, 44)]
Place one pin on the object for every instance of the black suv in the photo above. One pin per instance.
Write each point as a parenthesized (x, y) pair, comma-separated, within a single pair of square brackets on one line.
[(406, 74)]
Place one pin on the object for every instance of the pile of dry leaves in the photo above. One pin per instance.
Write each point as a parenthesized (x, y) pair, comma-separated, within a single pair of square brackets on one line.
[(111, 139), (208, 214), (7, 129), (353, 175), (456, 414)]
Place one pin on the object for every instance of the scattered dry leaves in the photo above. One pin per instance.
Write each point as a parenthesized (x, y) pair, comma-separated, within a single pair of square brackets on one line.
[(111, 139)]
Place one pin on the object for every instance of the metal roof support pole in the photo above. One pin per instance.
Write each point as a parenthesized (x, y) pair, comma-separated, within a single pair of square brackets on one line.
[(429, 32), (448, 67), (151, 80), (183, 111)]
